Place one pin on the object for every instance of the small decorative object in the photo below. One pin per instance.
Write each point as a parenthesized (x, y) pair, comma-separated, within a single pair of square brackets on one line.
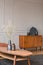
[(33, 31), (13, 46), (9, 45)]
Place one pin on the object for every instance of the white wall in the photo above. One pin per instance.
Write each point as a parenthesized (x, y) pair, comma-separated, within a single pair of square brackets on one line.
[(24, 14)]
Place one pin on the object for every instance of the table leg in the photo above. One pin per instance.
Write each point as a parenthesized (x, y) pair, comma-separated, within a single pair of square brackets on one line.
[(28, 60), (14, 62)]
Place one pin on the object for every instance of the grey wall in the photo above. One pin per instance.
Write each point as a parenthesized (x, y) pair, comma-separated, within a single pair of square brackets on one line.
[(23, 14)]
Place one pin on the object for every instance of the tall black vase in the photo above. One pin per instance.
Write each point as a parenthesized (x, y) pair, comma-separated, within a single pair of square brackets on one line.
[(9, 45)]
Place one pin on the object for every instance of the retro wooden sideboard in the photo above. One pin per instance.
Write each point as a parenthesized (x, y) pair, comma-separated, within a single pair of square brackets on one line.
[(30, 41)]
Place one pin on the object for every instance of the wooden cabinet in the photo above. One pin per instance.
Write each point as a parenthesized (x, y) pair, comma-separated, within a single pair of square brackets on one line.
[(30, 41)]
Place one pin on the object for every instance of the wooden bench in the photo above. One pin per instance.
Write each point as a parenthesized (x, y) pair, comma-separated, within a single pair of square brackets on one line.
[(3, 45)]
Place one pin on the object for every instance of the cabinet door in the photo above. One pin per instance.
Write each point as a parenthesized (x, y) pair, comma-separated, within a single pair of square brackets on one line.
[(39, 41), (35, 41), (28, 42), (21, 41)]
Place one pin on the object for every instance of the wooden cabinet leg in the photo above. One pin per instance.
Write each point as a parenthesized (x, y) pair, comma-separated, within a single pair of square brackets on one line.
[(28, 61), (14, 62), (40, 48)]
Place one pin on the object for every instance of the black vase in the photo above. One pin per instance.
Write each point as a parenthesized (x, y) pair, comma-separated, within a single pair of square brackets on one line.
[(9, 45)]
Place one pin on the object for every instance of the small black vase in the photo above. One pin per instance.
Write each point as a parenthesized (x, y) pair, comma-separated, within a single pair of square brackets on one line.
[(13, 46)]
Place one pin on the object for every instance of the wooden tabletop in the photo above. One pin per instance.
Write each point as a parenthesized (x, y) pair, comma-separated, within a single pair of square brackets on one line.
[(16, 52)]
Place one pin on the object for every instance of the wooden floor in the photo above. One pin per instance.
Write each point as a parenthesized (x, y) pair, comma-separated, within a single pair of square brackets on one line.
[(38, 52)]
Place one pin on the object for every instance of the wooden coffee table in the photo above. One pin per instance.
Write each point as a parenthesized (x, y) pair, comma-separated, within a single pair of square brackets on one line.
[(16, 55)]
